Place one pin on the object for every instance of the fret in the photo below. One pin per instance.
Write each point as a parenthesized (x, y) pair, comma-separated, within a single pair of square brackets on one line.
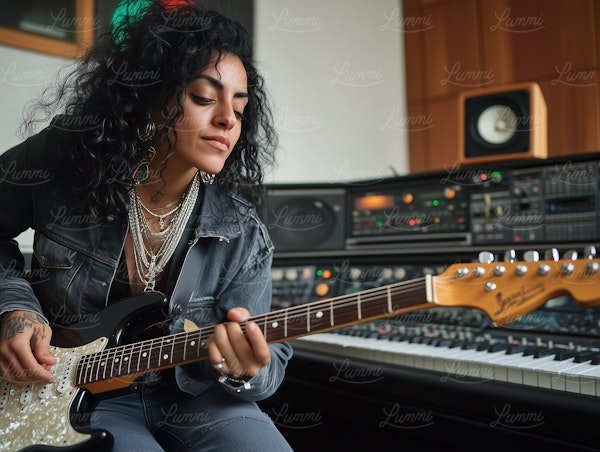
[(196, 343), (291, 322), (331, 318), (129, 359), (120, 360), (162, 356), (112, 364)]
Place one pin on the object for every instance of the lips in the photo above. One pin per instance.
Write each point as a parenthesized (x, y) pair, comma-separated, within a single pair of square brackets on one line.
[(217, 141)]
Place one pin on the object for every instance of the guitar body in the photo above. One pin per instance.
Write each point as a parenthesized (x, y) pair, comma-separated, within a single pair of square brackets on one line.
[(56, 416)]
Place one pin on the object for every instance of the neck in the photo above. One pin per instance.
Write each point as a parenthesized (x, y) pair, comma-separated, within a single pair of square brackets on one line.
[(164, 191)]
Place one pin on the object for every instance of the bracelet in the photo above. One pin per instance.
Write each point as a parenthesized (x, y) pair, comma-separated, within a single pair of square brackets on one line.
[(227, 380)]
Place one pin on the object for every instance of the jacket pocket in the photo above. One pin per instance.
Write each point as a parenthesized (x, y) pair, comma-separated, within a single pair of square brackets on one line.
[(52, 275)]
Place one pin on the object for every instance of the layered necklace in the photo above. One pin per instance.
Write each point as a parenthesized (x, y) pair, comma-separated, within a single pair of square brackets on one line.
[(150, 264)]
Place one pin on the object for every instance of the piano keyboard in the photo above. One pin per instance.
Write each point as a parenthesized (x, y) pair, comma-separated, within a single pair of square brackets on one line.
[(570, 368)]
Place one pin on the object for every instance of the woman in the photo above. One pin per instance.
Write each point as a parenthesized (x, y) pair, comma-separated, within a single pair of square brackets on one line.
[(149, 181)]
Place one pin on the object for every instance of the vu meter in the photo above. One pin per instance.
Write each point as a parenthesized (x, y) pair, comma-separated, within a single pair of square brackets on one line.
[(433, 210)]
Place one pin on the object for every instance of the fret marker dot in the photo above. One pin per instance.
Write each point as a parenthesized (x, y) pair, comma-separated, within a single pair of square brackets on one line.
[(165, 356), (126, 358), (193, 343), (319, 314), (274, 325), (144, 354), (102, 363)]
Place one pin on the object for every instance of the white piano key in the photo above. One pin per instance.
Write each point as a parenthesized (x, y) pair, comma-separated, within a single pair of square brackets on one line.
[(467, 365)]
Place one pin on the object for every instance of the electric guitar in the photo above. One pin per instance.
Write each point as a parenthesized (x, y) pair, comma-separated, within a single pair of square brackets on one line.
[(97, 355)]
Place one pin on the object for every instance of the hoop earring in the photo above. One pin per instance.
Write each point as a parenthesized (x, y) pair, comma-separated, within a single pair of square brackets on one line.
[(142, 170), (207, 178), (148, 133)]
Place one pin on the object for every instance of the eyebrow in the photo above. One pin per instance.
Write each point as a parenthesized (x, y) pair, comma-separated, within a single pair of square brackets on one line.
[(217, 83)]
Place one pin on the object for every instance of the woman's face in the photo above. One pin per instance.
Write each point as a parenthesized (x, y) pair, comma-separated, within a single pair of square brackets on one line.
[(213, 106)]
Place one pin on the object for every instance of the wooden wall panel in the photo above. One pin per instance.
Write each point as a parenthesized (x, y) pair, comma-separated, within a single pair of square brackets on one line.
[(573, 118), (451, 48), (553, 42)]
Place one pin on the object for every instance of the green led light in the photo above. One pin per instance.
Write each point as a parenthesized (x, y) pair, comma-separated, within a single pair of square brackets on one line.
[(379, 224), (435, 202), (319, 272)]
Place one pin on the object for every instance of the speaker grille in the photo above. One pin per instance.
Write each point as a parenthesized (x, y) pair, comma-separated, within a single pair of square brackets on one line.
[(305, 219)]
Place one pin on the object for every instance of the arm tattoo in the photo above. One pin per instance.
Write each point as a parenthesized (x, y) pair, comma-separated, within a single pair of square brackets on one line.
[(15, 325)]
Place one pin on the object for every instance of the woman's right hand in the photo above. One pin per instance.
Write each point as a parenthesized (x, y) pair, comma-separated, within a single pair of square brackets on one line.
[(25, 348)]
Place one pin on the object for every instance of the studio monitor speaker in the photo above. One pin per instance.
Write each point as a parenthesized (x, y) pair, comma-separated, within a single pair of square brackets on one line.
[(502, 123), (305, 219)]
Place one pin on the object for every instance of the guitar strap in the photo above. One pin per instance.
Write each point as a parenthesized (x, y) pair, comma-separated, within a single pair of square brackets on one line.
[(189, 262)]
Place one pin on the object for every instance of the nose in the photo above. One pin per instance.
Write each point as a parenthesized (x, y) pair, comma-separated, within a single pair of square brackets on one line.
[(225, 116)]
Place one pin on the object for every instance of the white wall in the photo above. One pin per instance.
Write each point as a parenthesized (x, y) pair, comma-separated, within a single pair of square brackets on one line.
[(335, 70), (23, 76)]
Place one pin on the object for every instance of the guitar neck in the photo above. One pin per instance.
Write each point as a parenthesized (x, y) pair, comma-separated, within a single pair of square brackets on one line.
[(504, 291), (285, 324)]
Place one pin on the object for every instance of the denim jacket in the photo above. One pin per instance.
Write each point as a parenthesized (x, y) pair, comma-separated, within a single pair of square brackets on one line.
[(226, 250)]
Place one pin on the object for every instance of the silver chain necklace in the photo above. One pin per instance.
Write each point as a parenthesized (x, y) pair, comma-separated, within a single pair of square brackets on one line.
[(161, 217), (149, 265)]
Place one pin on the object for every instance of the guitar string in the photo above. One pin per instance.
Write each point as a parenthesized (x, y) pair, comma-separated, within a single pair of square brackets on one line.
[(175, 340), (341, 303)]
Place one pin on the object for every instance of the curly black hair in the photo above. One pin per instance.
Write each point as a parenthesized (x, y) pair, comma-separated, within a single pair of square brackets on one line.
[(139, 64)]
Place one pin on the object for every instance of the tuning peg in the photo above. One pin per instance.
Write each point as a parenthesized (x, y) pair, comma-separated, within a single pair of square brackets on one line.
[(590, 251), (485, 257), (570, 255), (510, 256), (531, 256), (551, 255)]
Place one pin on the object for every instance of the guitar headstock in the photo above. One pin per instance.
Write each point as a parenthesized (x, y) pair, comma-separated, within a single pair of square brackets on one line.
[(510, 289)]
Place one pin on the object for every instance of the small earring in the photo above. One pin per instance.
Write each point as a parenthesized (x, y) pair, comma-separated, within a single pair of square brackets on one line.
[(148, 132), (142, 170), (207, 178)]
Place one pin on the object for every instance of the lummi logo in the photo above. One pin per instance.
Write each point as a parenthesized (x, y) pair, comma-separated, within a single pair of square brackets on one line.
[(356, 375), (509, 418), (284, 219), (283, 417), (398, 418)]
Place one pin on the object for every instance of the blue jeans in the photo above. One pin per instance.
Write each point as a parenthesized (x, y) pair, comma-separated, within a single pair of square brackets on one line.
[(160, 417)]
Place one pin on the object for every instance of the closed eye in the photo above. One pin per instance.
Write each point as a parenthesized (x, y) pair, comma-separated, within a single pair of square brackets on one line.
[(201, 100)]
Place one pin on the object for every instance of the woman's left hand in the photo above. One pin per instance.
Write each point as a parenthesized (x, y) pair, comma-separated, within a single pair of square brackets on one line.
[(235, 351)]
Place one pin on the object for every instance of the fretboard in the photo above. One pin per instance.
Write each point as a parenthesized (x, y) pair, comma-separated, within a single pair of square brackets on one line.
[(285, 324)]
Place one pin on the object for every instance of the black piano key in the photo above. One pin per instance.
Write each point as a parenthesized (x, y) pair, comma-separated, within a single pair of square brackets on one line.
[(543, 351), (469, 345), (445, 343), (483, 346), (596, 359), (515, 349), (582, 357), (497, 347), (561, 355)]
